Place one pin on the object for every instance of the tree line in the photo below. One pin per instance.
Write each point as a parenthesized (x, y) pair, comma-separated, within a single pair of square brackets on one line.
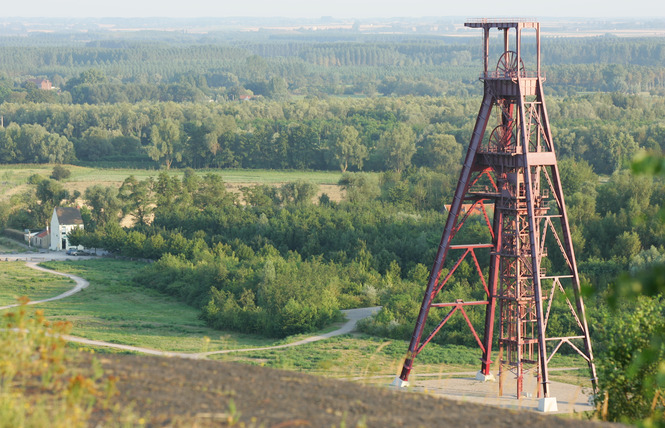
[(605, 130), (389, 224), (130, 71)]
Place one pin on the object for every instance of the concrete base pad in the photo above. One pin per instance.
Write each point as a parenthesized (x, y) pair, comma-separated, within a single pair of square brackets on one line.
[(399, 383), (547, 405), (465, 387), (485, 378)]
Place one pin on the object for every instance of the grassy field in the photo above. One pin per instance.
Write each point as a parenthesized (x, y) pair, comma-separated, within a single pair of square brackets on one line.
[(114, 310), (378, 360), (245, 176), (14, 177), (10, 246), (17, 280)]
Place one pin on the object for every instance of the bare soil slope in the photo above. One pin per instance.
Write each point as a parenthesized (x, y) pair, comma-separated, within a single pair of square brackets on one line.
[(174, 391)]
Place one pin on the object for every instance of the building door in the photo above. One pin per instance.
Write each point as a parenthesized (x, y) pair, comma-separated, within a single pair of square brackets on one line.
[(64, 243)]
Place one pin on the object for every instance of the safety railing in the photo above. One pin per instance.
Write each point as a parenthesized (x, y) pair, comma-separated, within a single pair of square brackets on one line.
[(498, 20)]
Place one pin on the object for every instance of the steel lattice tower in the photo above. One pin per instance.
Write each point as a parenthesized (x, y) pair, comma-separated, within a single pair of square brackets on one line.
[(512, 177)]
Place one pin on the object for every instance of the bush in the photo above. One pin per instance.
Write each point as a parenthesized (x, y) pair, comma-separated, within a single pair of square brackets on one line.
[(259, 293), (60, 173), (629, 363), (37, 388)]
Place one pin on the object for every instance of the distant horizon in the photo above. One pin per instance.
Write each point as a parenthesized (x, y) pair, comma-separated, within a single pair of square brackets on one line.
[(340, 9), (346, 18)]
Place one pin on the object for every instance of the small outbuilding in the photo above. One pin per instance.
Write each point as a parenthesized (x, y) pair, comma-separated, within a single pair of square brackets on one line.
[(41, 239), (63, 221)]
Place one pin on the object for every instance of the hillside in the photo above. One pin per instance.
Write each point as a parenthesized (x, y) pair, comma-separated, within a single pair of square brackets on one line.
[(178, 392)]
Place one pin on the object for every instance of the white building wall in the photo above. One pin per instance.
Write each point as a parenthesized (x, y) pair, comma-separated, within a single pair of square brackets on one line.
[(59, 232), (55, 233)]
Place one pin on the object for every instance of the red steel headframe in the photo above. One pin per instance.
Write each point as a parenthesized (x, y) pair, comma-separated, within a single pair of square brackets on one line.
[(514, 173)]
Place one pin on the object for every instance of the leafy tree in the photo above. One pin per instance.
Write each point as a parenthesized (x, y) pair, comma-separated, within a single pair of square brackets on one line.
[(438, 150), (165, 143), (397, 147), (33, 143), (277, 88), (629, 347), (60, 173), (38, 95), (168, 189), (360, 187), (5, 93), (49, 194), (299, 192), (9, 151), (346, 148), (138, 198), (91, 76), (631, 369), (113, 237), (212, 192), (104, 203), (261, 195), (78, 236)]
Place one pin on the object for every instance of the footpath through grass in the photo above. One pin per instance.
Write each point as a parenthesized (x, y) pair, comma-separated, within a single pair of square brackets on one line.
[(377, 360), (111, 309), (17, 280)]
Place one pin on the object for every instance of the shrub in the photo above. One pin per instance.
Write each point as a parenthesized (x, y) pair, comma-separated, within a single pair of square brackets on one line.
[(60, 173), (37, 388)]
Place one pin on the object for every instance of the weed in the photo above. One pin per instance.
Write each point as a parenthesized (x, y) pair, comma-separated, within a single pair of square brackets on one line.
[(37, 386)]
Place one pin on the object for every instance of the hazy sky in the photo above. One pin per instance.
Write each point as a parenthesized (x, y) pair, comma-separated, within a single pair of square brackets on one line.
[(336, 8)]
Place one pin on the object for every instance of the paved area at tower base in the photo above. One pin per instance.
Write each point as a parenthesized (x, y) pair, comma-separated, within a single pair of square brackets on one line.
[(466, 388)]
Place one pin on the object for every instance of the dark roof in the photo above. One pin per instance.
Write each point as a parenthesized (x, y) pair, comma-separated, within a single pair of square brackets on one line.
[(42, 234), (67, 215)]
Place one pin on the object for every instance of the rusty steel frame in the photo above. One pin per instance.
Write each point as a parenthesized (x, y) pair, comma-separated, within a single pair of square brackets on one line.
[(515, 170)]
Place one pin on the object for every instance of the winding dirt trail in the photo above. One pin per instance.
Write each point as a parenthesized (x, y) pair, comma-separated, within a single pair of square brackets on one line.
[(454, 385), (352, 315), (80, 285)]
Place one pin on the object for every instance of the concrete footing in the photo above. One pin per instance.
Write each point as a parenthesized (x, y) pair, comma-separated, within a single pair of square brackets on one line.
[(399, 383), (485, 378), (547, 405)]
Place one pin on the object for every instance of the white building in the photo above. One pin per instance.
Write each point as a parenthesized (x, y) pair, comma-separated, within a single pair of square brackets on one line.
[(63, 221)]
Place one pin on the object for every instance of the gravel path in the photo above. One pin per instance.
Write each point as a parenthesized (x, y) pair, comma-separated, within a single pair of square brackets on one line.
[(80, 285), (352, 315)]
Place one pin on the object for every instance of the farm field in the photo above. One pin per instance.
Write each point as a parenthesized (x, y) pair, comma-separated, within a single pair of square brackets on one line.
[(13, 178)]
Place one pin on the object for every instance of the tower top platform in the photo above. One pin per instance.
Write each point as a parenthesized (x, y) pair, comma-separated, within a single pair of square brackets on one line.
[(510, 64), (502, 23)]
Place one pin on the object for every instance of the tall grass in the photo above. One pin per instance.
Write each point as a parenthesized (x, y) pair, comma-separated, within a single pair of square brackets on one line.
[(38, 386)]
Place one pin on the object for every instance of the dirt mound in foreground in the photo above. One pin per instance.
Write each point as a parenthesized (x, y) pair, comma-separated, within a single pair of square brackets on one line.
[(173, 391)]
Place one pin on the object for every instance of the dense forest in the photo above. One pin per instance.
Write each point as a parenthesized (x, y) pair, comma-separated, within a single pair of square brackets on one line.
[(371, 134), (393, 113), (126, 70)]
